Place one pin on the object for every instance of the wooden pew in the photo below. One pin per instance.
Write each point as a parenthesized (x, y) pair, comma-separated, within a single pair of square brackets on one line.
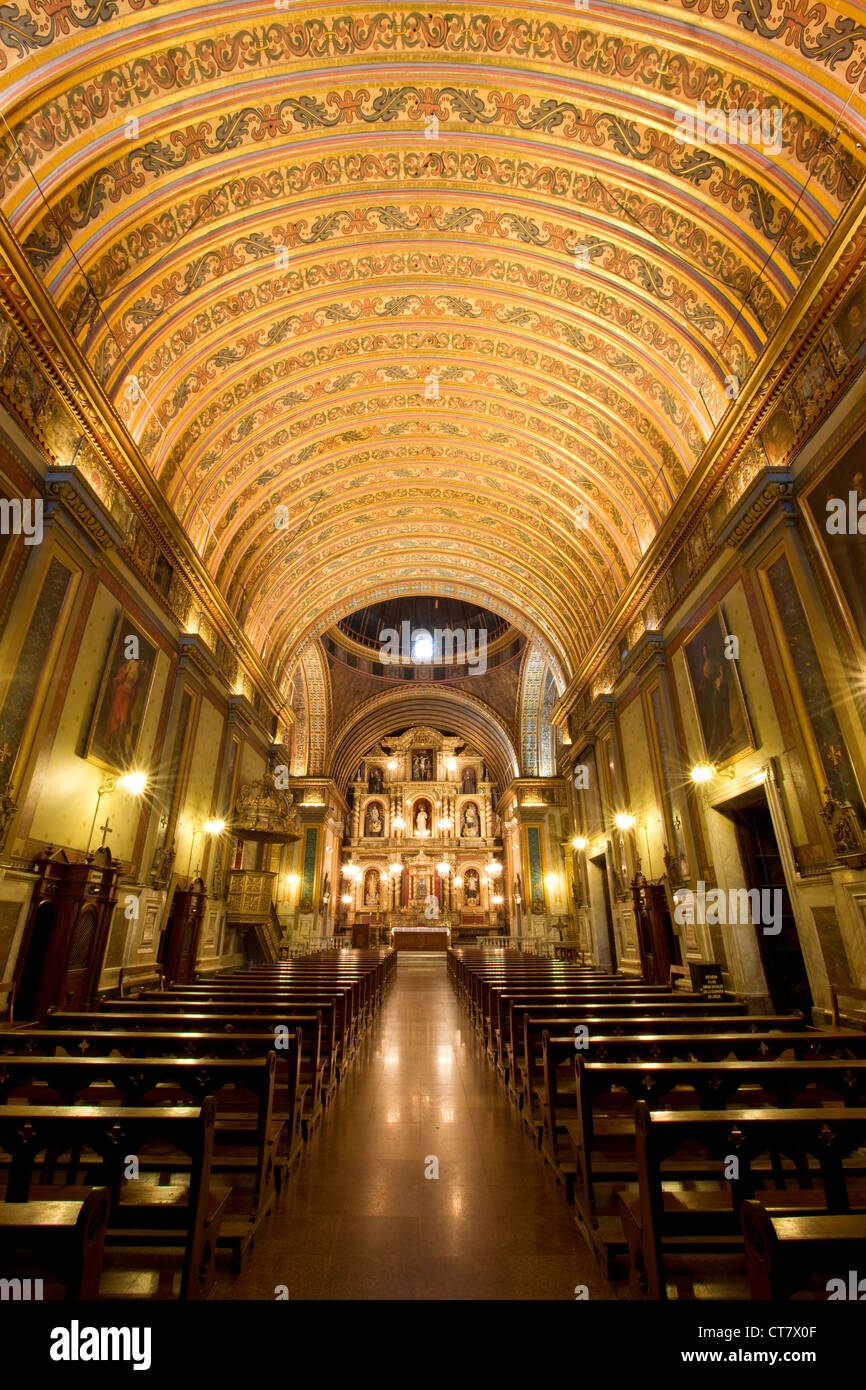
[(558, 1054), (247, 1136), (68, 1238), (477, 980), (840, 991), (655, 1016), (504, 1002), (98, 1140), (132, 976), (521, 1035), (816, 1142), (364, 986), (605, 1145), (319, 1053), (288, 1092), (784, 1253), (337, 1037), (560, 980)]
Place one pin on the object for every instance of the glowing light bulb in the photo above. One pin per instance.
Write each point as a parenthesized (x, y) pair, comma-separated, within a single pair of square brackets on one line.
[(133, 782)]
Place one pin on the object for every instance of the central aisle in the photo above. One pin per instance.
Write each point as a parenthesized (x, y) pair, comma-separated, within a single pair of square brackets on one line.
[(359, 1219)]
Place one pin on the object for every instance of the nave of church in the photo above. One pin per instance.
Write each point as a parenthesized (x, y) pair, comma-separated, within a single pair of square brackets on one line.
[(408, 1184), (433, 655)]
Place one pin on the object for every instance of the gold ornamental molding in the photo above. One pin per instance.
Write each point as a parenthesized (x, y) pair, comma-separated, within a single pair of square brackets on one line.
[(34, 316), (70, 489), (766, 493)]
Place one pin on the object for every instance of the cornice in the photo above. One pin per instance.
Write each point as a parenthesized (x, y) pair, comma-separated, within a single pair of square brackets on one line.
[(771, 488), (196, 654), (796, 334), (59, 358), (650, 649), (67, 487)]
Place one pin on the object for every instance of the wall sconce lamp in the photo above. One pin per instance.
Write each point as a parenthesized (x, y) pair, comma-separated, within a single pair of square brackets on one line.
[(705, 772), (134, 783), (579, 842), (208, 827)]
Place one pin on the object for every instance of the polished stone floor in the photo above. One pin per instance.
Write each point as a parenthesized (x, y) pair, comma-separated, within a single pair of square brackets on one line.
[(362, 1220)]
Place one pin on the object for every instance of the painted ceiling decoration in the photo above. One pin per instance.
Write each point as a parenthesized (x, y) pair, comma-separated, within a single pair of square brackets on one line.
[(374, 719), (423, 301)]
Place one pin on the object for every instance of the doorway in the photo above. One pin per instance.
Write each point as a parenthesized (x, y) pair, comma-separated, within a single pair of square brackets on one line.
[(33, 972), (602, 914), (781, 955)]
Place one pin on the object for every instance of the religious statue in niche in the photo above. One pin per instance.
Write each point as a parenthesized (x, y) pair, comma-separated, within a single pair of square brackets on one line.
[(373, 822), (422, 820), (471, 888), (845, 832), (422, 765), (371, 889), (469, 821), (468, 781), (374, 779)]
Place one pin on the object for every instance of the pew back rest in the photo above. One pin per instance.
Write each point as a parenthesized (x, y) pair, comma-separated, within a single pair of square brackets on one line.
[(841, 991)]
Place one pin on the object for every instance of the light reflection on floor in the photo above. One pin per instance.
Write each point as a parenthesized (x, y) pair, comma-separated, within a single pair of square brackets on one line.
[(361, 1221)]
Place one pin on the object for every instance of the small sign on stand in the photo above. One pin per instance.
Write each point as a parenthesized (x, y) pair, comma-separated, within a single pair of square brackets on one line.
[(707, 979)]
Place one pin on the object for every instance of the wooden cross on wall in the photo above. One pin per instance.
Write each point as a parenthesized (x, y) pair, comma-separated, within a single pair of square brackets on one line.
[(105, 829)]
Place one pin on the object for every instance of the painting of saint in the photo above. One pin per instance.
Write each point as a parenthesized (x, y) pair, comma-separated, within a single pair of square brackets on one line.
[(718, 697), (843, 550), (471, 888), (850, 324), (468, 781), (374, 779), (778, 436), (119, 714), (469, 821), (373, 822), (371, 889)]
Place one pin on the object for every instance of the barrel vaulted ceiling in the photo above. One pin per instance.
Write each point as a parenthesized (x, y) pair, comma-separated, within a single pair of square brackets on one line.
[(387, 297)]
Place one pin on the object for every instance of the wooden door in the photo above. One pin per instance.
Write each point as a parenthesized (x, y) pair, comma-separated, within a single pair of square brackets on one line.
[(781, 954), (79, 963), (35, 990), (181, 936)]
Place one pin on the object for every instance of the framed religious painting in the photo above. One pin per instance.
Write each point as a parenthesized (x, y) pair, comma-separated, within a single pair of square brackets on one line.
[(115, 730), (832, 508), (715, 682)]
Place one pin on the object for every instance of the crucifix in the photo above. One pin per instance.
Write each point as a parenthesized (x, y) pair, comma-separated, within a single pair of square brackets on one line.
[(105, 829)]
